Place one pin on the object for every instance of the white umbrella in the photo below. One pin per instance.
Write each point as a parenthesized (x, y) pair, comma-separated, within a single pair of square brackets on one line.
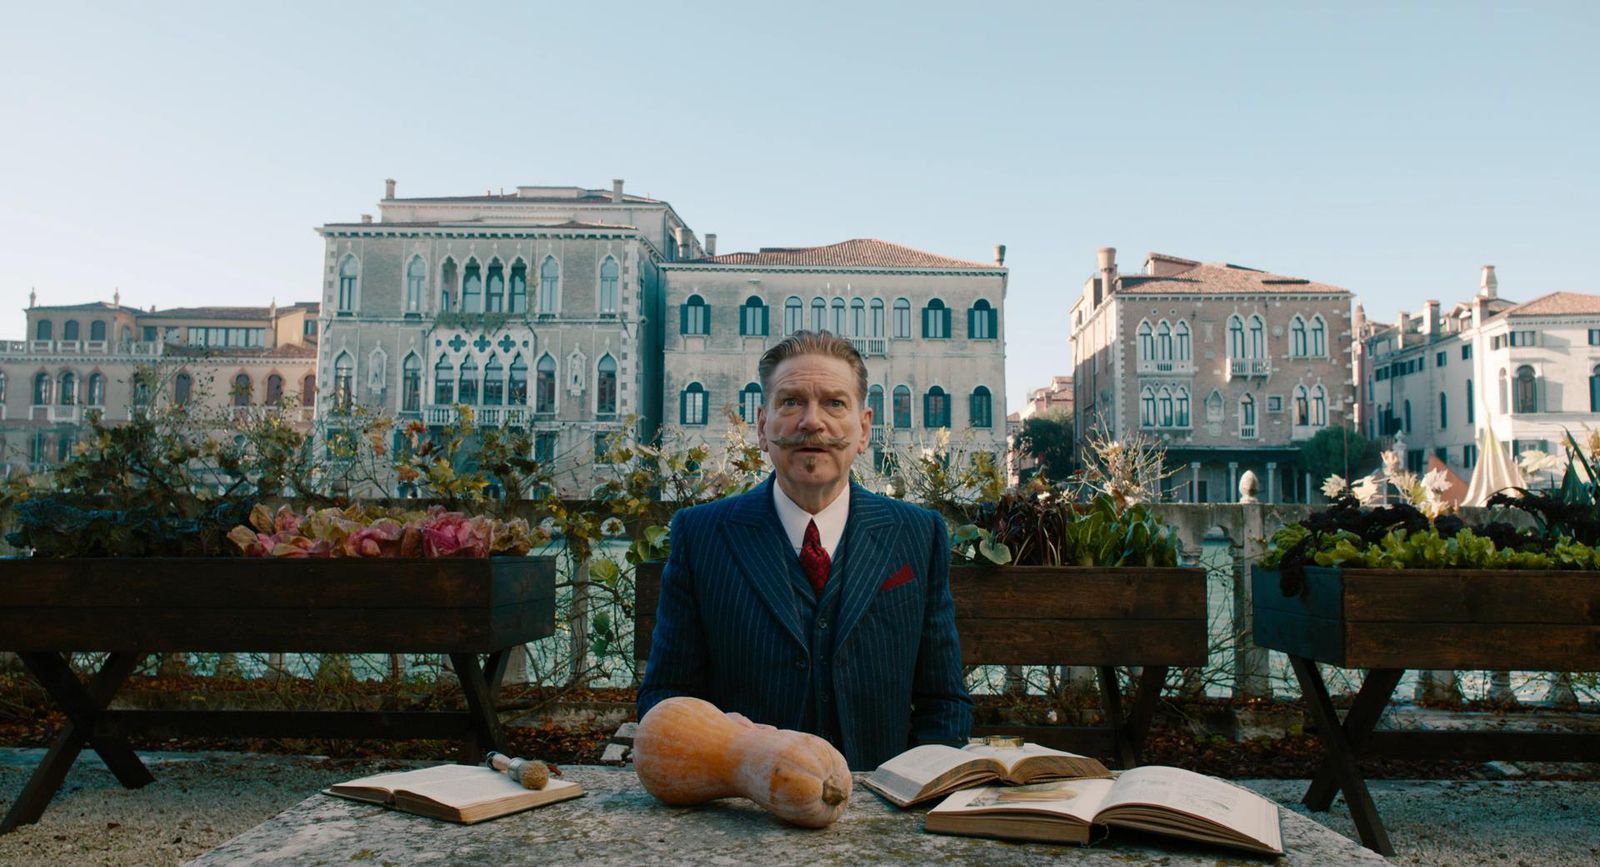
[(1495, 471)]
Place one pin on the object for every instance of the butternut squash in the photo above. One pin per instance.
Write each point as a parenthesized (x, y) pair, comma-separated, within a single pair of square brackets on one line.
[(686, 751)]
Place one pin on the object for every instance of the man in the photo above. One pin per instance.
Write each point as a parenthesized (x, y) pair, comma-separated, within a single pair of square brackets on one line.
[(811, 603)]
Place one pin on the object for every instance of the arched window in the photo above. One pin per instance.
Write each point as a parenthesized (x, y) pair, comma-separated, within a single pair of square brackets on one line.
[(1297, 337), (1164, 341), (472, 288), (750, 402), (241, 390), (494, 289), (875, 329), (1147, 341), (902, 407), (1319, 337), (517, 385), (1247, 417), (67, 392), (1235, 337), (753, 317), (1302, 406), (1182, 332), (182, 389), (692, 405), (494, 382), (902, 319), (416, 279), (1214, 406), (97, 330), (858, 317), (838, 316), (544, 385), (348, 272), (982, 410), (1147, 407), (549, 287), (605, 386), (610, 291), (1319, 406), (69, 331), (410, 384), (308, 390), (982, 321), (444, 382), (1181, 417), (819, 314), (97, 389), (45, 330), (794, 315), (694, 317), (875, 403), (1470, 402), (1527, 398), (467, 382), (344, 381), (41, 389), (936, 408), (1444, 412), (1164, 406), (935, 320), (447, 286), (1258, 337), (517, 300), (274, 389)]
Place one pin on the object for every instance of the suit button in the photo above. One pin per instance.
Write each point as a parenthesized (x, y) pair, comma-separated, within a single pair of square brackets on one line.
[(800, 663), (822, 623)]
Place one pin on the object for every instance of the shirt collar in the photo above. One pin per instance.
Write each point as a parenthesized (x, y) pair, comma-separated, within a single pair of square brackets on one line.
[(830, 521)]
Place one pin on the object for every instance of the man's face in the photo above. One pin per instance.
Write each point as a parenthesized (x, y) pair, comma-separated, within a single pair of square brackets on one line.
[(812, 426)]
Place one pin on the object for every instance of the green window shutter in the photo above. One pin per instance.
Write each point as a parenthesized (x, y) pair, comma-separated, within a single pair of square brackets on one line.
[(683, 319)]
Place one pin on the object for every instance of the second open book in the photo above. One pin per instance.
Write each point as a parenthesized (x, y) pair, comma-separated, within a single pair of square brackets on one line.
[(933, 770)]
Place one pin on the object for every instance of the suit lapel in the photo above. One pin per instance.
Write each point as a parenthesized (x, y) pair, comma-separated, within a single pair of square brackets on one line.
[(869, 548), (755, 537)]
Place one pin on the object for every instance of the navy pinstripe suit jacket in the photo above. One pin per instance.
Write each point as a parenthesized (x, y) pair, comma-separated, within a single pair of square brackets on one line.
[(728, 629)]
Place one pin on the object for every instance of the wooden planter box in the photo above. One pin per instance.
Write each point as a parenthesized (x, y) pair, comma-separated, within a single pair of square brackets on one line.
[(1020, 615), (1434, 619), (344, 605)]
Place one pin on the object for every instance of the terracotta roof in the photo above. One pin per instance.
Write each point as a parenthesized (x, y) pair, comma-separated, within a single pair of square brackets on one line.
[(1557, 304), (856, 253), (476, 224), (287, 350), (211, 313), (98, 306), (1219, 279)]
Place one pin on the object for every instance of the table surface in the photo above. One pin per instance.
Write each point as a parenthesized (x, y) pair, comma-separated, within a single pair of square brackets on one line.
[(617, 822)]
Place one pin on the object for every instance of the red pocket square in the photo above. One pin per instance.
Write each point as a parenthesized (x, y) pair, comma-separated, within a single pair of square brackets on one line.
[(900, 577)]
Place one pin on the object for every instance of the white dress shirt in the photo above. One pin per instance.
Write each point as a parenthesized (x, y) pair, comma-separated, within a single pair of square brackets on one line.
[(830, 521)]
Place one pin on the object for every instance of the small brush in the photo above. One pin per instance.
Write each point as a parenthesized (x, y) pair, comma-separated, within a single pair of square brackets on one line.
[(530, 773)]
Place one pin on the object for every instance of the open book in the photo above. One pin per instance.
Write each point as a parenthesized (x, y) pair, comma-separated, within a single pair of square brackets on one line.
[(929, 771), (1161, 800), (456, 793)]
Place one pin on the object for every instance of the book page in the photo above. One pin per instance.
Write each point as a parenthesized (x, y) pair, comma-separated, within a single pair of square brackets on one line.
[(1011, 757), (1191, 794), (1075, 799)]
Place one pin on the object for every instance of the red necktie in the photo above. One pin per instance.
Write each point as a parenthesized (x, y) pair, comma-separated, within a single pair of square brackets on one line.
[(814, 558)]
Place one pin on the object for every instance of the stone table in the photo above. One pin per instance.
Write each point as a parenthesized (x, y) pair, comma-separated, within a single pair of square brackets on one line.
[(617, 822)]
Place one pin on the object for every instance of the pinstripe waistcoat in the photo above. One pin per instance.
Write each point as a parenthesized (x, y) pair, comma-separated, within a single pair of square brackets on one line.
[(880, 646)]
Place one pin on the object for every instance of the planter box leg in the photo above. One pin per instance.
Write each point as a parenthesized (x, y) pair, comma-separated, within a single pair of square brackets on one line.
[(1341, 755), (1111, 702), (485, 732)]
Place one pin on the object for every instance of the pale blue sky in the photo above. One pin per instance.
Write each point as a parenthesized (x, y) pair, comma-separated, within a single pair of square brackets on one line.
[(184, 152)]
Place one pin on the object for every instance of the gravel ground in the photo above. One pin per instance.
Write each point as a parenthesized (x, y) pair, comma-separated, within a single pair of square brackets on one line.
[(200, 800)]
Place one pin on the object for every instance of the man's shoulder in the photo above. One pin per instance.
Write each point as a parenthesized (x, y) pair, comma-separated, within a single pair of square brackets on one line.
[(902, 511), (721, 509)]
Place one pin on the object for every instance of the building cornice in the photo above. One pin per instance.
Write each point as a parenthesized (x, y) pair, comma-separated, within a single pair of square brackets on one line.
[(715, 268)]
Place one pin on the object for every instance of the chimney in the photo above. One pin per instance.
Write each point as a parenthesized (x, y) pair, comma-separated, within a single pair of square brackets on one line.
[(366, 218), (681, 235), (388, 188), (616, 189), (1000, 255), (711, 243), (1401, 320), (1433, 318), (1108, 269), (1488, 285)]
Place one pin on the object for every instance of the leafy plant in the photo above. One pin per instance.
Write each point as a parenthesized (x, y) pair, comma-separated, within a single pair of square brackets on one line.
[(356, 532)]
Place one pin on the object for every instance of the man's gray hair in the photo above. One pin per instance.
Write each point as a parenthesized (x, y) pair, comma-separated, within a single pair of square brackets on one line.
[(813, 343)]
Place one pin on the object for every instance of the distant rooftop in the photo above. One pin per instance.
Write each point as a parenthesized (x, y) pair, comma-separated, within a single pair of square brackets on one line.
[(1216, 278), (856, 253), (1557, 304)]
